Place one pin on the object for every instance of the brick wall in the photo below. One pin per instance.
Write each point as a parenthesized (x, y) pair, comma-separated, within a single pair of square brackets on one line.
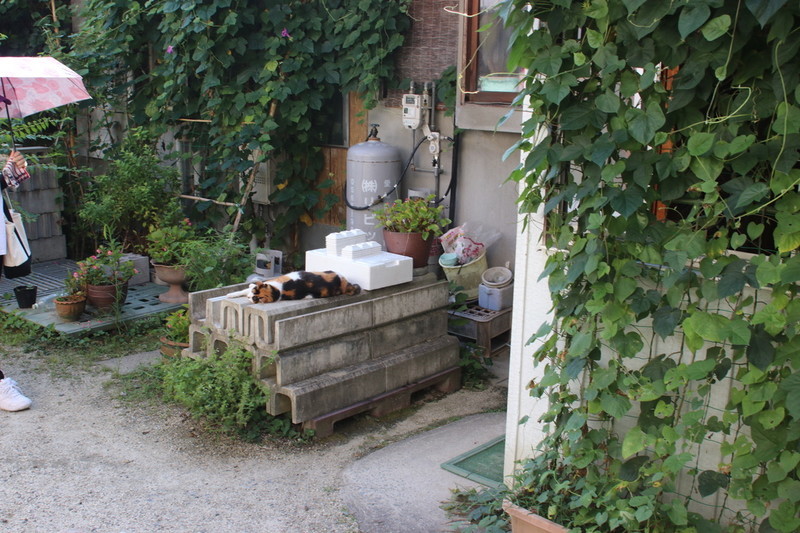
[(430, 47)]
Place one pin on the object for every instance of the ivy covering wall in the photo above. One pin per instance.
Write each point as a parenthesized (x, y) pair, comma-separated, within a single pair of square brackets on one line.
[(243, 80), (663, 151)]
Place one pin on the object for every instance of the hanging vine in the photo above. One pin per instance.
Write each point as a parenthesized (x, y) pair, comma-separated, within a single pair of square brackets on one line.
[(244, 80), (663, 151)]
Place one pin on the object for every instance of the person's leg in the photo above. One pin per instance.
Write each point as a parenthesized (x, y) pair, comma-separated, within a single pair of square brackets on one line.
[(11, 399)]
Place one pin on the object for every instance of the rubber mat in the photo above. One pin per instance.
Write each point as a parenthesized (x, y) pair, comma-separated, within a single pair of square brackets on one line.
[(483, 464)]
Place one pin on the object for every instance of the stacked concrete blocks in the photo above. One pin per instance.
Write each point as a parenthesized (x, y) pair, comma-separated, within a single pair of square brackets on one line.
[(323, 356)]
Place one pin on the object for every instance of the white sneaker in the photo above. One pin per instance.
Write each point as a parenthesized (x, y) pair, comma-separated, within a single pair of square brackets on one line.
[(11, 399)]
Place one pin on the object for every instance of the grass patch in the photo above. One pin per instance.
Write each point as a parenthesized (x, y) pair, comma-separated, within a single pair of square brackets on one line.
[(63, 355)]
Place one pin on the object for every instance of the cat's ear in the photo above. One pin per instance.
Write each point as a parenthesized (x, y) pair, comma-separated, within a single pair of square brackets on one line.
[(352, 289)]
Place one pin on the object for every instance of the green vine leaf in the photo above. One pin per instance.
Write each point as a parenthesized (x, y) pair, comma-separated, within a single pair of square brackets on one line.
[(764, 10), (785, 517), (700, 143), (710, 482), (691, 18), (716, 27), (643, 124)]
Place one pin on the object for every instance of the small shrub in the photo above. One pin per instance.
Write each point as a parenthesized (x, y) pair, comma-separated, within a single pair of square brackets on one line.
[(474, 366), (219, 389), (177, 325), (222, 391), (225, 261)]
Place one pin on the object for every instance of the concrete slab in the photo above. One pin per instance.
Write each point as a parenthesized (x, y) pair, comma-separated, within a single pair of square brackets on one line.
[(130, 363), (399, 489)]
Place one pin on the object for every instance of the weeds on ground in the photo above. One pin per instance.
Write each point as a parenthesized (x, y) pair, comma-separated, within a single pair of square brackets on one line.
[(474, 365), (477, 510), (63, 355), (221, 391)]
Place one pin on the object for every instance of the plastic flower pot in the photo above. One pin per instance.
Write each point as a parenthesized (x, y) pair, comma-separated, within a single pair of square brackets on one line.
[(25, 295)]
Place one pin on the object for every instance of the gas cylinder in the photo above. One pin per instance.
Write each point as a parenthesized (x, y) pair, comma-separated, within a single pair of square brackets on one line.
[(373, 169)]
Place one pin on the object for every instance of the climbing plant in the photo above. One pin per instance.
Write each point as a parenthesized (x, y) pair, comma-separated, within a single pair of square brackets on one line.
[(662, 149), (246, 81)]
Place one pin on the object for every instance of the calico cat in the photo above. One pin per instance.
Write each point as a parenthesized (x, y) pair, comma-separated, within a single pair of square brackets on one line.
[(298, 285)]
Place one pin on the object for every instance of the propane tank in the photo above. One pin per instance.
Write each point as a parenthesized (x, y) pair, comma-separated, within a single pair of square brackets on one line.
[(373, 168)]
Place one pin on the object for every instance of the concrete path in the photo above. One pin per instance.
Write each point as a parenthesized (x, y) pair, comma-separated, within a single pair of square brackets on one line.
[(399, 489)]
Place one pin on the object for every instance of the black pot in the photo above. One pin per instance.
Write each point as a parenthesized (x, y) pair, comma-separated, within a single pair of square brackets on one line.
[(25, 295)]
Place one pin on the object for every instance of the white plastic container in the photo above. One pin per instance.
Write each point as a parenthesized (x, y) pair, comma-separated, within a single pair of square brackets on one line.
[(495, 299), (375, 271)]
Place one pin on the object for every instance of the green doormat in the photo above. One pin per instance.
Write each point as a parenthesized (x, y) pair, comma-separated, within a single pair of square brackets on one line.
[(483, 465)]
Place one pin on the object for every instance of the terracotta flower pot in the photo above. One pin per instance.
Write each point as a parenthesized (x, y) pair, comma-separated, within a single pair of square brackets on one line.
[(172, 348), (70, 307), (174, 276), (106, 296), (524, 521), (409, 244)]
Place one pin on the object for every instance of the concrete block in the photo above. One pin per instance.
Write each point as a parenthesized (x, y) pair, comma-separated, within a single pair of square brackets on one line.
[(277, 404), (341, 388), (408, 332), (48, 249), (41, 201), (417, 299), (142, 264), (260, 319), (321, 357), (198, 338), (197, 300), (229, 314), (440, 354), (322, 325)]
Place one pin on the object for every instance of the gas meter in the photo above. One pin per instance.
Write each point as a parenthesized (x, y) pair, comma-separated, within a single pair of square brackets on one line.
[(412, 111)]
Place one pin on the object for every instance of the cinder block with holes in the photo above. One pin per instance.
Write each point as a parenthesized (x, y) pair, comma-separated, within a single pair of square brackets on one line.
[(320, 356)]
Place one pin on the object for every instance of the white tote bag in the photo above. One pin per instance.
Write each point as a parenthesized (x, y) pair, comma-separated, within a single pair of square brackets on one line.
[(17, 261)]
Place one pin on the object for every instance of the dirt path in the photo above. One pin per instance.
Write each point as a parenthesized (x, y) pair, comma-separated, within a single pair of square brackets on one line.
[(83, 461)]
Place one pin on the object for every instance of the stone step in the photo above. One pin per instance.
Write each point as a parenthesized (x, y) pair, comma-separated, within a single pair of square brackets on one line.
[(342, 387)]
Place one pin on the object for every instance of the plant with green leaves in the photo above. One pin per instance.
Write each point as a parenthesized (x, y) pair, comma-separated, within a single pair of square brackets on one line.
[(216, 259), (177, 325), (136, 193), (244, 82), (413, 215), (663, 149), (218, 388), (166, 243)]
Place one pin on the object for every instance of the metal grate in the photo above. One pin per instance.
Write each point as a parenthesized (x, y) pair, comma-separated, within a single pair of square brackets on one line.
[(479, 314), (48, 277)]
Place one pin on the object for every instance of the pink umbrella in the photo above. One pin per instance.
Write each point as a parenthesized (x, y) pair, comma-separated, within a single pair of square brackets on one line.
[(29, 85)]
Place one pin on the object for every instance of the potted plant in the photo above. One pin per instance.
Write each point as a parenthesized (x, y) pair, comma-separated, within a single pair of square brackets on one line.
[(71, 305), (106, 276), (167, 247), (176, 336), (410, 225)]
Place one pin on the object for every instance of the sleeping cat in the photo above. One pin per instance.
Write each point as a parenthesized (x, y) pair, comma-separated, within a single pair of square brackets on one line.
[(298, 285)]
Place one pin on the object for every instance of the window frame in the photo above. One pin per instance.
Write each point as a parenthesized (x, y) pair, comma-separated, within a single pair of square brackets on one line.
[(472, 45)]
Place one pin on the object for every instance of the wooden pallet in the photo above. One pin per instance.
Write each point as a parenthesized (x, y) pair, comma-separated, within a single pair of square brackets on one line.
[(446, 381)]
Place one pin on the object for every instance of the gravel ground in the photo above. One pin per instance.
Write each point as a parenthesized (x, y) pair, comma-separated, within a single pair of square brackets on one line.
[(80, 460)]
